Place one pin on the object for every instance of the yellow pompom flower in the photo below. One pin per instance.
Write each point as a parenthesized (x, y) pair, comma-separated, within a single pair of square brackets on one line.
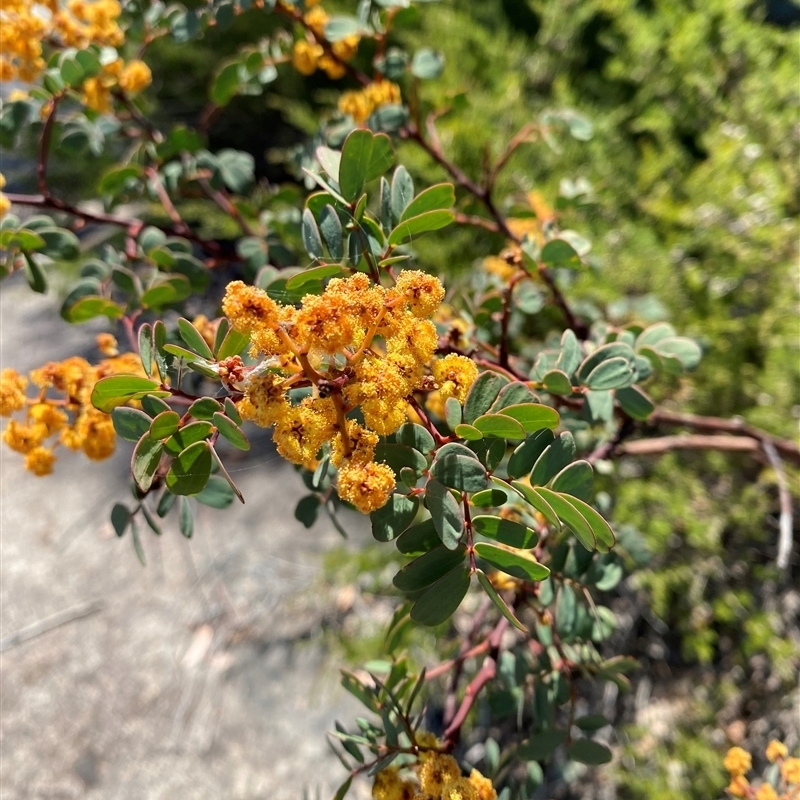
[(107, 344), (346, 48), (333, 68), (54, 419), (483, 786), (355, 105), (367, 487), (306, 56), (388, 785), (437, 772), (24, 438), (423, 293), (737, 761), (776, 750), (96, 433), (362, 443), (12, 392), (135, 76), (459, 789), (40, 461), (249, 308), (766, 792), (316, 19), (455, 375), (738, 786), (790, 771)]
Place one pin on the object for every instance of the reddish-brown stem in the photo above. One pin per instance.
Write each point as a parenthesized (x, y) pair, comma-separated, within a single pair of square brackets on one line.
[(226, 204), (477, 222), (426, 421), (508, 294), (484, 194), (522, 136), (131, 223), (165, 199), (737, 427), (150, 130), (468, 531), (485, 675)]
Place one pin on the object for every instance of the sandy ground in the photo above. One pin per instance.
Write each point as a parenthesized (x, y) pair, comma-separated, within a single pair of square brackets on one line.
[(199, 676)]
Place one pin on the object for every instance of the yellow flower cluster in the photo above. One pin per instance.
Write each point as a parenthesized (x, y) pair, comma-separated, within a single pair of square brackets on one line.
[(27, 24), (738, 762), (360, 104), (308, 54), (437, 777), (5, 203), (71, 416), (358, 345)]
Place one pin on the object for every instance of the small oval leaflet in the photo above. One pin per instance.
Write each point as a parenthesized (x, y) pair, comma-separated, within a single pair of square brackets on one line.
[(489, 498), (520, 566), (165, 424), (392, 519), (500, 425), (524, 456), (144, 461), (575, 479), (231, 431), (130, 423), (418, 539), (190, 470), (188, 434), (505, 531), (440, 602), (482, 394), (468, 432), (428, 568), (553, 459), (445, 512), (571, 517), (194, 339), (487, 587), (589, 752), (204, 408), (460, 472), (116, 390)]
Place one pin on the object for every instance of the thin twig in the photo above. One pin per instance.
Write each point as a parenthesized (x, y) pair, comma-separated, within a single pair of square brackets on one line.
[(508, 294), (788, 450), (485, 675), (688, 441), (42, 201), (785, 499), (226, 204), (50, 623)]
